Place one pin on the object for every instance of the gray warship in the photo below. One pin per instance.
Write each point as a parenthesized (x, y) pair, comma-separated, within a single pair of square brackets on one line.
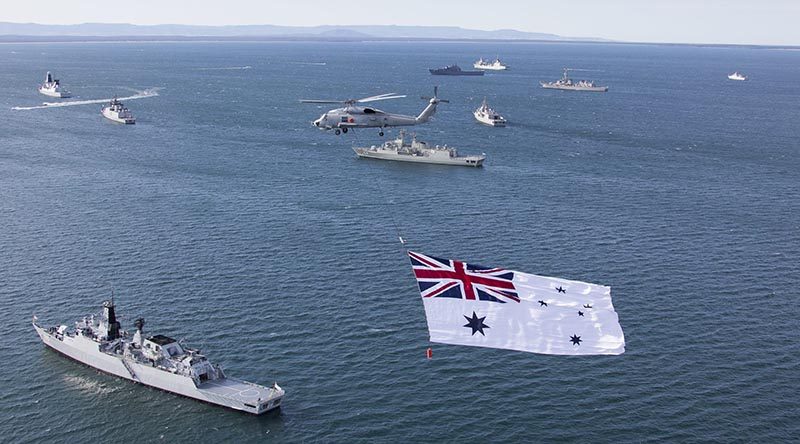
[(157, 361), (566, 83), (453, 70), (419, 152)]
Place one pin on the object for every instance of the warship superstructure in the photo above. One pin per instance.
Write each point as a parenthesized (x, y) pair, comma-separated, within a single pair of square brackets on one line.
[(566, 83), (737, 76), (497, 65), (418, 151), (157, 361), (52, 87)]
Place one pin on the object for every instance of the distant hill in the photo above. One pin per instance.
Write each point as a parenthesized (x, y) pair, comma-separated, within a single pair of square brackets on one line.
[(112, 30)]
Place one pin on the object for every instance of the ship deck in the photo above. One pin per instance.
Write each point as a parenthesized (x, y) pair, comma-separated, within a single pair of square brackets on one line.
[(241, 391)]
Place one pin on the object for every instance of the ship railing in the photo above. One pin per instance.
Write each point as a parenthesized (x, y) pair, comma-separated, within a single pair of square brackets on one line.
[(130, 369)]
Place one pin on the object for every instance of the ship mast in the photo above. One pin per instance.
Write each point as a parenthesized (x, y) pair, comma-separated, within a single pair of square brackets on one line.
[(111, 319)]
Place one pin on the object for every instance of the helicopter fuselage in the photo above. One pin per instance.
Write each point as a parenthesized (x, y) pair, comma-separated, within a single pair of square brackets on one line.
[(340, 120), (361, 117)]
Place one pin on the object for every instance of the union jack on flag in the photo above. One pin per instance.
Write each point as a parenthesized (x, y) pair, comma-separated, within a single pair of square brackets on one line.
[(443, 278)]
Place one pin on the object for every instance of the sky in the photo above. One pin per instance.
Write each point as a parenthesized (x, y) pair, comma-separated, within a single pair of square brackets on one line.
[(760, 22)]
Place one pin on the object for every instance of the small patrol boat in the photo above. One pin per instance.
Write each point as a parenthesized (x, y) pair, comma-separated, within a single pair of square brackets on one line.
[(566, 83), (737, 76), (497, 65), (52, 87), (418, 151), (157, 361), (487, 116), (117, 112), (453, 70)]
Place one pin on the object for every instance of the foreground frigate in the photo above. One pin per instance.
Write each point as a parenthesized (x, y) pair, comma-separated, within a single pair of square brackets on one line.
[(117, 112), (158, 361), (419, 152)]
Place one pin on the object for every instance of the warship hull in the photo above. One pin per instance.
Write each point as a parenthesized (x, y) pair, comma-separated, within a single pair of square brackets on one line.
[(486, 120), (57, 94), (115, 117), (575, 87), (490, 67), (469, 161), (227, 392), (439, 72)]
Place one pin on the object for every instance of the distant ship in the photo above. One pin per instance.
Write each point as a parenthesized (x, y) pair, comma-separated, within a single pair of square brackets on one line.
[(737, 76), (51, 87), (157, 361), (497, 65), (486, 115), (417, 151), (117, 112), (453, 70), (568, 84)]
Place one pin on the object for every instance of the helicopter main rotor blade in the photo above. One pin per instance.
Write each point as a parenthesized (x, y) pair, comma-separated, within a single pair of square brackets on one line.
[(321, 101), (381, 97)]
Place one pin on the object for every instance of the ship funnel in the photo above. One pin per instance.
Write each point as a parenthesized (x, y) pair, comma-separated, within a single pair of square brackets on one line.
[(48, 78)]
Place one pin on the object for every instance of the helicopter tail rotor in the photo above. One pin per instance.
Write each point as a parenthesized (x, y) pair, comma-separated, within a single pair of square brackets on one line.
[(435, 98), (430, 110)]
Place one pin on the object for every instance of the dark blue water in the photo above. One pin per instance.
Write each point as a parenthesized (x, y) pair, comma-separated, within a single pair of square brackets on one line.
[(224, 218)]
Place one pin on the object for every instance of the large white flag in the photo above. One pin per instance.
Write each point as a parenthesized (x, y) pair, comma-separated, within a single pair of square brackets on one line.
[(468, 304)]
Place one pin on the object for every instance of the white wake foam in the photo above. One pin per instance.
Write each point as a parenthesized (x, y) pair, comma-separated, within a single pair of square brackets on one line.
[(88, 385), (153, 92), (226, 68)]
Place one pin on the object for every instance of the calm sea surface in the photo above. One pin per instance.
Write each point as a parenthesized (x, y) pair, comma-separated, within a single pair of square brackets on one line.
[(224, 218)]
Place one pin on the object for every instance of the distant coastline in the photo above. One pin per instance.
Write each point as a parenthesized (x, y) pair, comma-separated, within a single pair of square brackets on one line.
[(124, 32), (10, 39)]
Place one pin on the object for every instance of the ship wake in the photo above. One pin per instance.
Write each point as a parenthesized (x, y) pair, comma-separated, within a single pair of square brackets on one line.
[(152, 92)]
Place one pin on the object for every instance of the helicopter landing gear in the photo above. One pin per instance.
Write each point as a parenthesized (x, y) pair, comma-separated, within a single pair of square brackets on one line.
[(337, 131), (380, 133), (344, 130)]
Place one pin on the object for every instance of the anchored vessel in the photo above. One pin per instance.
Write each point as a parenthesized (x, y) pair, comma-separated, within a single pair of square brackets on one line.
[(737, 76), (568, 84), (497, 65), (418, 151), (157, 361), (486, 115), (51, 87), (117, 112), (453, 70)]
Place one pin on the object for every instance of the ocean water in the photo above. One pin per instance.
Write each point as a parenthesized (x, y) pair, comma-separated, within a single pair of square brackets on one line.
[(224, 218)]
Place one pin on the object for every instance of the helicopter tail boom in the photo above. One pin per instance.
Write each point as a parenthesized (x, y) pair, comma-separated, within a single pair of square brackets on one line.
[(430, 110)]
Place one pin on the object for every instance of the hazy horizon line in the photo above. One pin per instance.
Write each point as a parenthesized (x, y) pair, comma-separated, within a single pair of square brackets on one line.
[(558, 38)]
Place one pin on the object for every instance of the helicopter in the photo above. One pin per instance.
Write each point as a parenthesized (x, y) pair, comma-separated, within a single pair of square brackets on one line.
[(340, 120)]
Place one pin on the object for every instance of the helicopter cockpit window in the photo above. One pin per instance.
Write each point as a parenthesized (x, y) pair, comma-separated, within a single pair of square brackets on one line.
[(369, 111)]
